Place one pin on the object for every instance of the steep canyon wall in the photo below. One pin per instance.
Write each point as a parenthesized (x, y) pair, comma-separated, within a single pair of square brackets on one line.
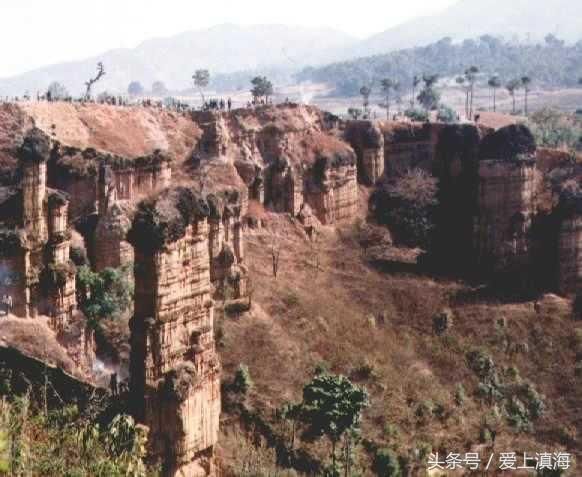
[(175, 371)]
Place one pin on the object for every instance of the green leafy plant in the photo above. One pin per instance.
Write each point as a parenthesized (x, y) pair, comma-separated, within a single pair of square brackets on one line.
[(105, 294), (331, 407), (242, 382)]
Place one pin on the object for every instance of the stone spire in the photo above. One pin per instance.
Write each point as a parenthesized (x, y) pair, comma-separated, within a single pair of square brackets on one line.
[(175, 371)]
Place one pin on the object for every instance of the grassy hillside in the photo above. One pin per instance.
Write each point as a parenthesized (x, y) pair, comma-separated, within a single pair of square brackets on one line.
[(332, 307)]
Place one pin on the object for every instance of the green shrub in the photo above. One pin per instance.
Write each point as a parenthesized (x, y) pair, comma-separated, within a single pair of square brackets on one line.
[(518, 415), (534, 400), (56, 275), (242, 382), (424, 410), (552, 128), (483, 366), (386, 464), (460, 395), (416, 115), (513, 373), (391, 432), (321, 368), (489, 392), (484, 435), (106, 294), (446, 114)]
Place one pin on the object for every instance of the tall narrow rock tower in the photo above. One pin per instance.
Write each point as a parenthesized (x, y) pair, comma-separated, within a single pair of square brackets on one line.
[(175, 371), (34, 154), (505, 202)]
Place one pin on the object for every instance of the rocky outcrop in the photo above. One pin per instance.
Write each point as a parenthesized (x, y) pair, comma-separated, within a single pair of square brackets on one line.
[(175, 371), (332, 189), (505, 199), (409, 145), (38, 275), (111, 249), (98, 179), (226, 245), (285, 156), (14, 125), (570, 243), (367, 140)]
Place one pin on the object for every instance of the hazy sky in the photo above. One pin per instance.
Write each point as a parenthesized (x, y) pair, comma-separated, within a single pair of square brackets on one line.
[(35, 33)]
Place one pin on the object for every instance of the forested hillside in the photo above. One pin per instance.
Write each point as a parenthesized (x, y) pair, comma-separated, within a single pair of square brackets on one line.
[(552, 63)]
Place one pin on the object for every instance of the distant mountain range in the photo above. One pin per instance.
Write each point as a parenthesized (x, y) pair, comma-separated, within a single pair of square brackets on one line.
[(524, 20), (228, 48), (221, 49)]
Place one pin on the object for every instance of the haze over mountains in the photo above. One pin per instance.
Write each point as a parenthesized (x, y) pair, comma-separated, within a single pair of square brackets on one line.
[(513, 19), (221, 49), (230, 48)]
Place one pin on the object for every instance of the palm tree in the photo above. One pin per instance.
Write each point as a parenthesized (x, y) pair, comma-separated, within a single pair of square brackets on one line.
[(366, 91), (494, 83), (511, 88), (471, 77), (460, 80), (526, 82), (387, 86)]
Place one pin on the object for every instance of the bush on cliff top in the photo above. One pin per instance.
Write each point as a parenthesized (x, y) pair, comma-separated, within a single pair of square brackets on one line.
[(57, 199), (35, 147), (84, 164), (508, 143), (55, 276), (324, 162), (164, 219)]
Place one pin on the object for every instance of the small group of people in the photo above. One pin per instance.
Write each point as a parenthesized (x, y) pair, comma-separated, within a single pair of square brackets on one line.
[(220, 104), (259, 102), (217, 105), (113, 100)]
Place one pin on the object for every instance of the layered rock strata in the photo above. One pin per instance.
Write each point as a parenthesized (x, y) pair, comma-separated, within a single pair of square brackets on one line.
[(175, 371), (367, 140), (505, 199), (286, 156), (569, 243), (38, 277)]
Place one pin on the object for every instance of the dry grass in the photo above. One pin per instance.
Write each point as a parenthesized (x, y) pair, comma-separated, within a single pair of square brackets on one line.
[(34, 338), (353, 318), (127, 131)]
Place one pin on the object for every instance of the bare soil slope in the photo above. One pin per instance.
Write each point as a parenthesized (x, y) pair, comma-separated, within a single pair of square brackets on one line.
[(329, 305), (127, 131)]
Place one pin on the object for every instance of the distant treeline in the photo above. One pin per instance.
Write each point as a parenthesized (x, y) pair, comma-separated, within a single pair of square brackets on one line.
[(240, 80), (552, 63)]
